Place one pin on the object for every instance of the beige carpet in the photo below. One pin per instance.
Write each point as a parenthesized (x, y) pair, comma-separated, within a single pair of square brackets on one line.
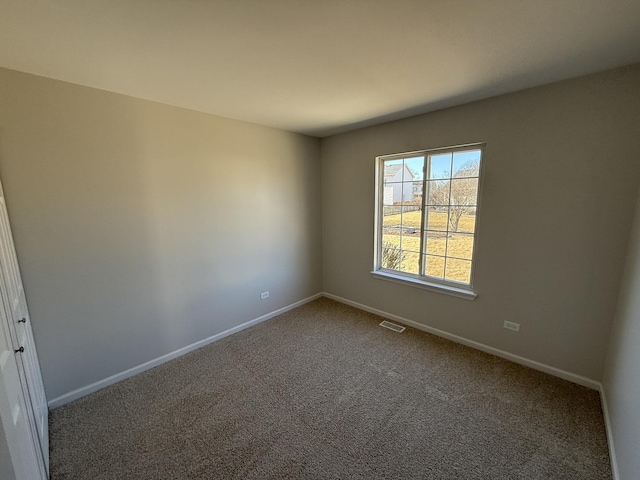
[(324, 392)]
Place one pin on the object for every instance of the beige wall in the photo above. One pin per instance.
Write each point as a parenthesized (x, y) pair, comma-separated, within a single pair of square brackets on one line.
[(561, 176), (622, 373), (142, 228)]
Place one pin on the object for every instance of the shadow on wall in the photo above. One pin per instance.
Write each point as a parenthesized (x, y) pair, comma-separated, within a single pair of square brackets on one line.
[(142, 228)]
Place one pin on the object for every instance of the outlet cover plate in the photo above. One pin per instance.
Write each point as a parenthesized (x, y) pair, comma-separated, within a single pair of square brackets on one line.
[(512, 326)]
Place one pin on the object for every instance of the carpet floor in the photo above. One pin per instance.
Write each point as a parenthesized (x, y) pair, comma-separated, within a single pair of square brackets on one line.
[(323, 392)]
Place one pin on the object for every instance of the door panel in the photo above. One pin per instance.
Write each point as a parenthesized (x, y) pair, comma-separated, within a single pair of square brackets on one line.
[(21, 335), (22, 328), (24, 452)]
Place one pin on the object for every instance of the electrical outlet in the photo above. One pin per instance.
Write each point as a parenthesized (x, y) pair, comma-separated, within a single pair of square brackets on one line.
[(512, 326), (264, 295)]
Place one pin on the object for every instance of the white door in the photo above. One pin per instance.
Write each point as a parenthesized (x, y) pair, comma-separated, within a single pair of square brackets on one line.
[(21, 335), (23, 450)]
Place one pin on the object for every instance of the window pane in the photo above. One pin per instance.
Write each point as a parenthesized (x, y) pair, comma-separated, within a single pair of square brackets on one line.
[(438, 191), (410, 261), (391, 216), (411, 239), (391, 227), (393, 171), (440, 166), (387, 193), (458, 270), (402, 229), (464, 191), (461, 218), (391, 258), (460, 245), (433, 266), (417, 192), (435, 243), (408, 193), (437, 218), (392, 194), (411, 219), (390, 238), (415, 167), (410, 232), (467, 222), (466, 164)]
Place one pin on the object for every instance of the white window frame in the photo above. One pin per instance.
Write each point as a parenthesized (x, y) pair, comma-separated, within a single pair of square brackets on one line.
[(447, 287)]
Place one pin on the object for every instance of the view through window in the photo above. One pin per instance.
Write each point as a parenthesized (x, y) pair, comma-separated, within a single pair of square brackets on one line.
[(427, 213)]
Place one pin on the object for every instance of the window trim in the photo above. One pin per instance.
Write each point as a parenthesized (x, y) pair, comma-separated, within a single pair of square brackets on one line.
[(392, 276), (415, 280)]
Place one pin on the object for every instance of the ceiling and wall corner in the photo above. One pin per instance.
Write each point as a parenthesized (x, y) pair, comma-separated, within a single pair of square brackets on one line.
[(317, 68)]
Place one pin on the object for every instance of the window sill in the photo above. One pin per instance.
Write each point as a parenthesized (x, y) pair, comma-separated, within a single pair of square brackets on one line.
[(434, 287)]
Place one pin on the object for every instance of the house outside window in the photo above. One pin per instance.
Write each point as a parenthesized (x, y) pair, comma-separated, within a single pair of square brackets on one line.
[(426, 217)]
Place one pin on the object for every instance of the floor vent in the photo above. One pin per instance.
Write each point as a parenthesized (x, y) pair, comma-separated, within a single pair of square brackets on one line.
[(393, 326)]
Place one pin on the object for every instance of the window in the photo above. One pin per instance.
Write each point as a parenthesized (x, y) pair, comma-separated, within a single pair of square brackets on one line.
[(426, 218)]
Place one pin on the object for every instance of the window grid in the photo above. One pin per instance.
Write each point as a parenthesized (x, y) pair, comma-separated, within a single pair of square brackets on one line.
[(425, 204)]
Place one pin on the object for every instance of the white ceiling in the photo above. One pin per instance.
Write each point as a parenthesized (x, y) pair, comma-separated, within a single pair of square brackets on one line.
[(317, 66)]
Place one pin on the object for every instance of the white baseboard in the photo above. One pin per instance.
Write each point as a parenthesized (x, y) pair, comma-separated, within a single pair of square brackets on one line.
[(608, 427), (556, 372), (82, 391), (86, 390)]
